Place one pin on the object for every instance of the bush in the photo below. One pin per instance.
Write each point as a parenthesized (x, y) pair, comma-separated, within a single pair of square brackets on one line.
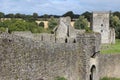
[(22, 25), (2, 29), (88, 30), (18, 25), (81, 23), (60, 78), (52, 23)]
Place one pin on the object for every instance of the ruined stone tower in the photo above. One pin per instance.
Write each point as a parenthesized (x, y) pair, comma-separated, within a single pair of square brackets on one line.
[(101, 24)]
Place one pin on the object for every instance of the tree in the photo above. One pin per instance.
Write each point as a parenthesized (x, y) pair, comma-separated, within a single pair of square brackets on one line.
[(2, 15), (81, 23), (29, 18), (69, 13), (18, 25), (23, 16), (5, 23), (10, 15), (52, 23), (87, 15), (35, 15), (45, 16), (18, 15), (116, 14), (115, 23)]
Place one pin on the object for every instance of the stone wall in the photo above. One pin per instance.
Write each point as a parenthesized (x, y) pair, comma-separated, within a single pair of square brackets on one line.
[(23, 58), (112, 36), (26, 59), (26, 34), (109, 65), (36, 36), (27, 56)]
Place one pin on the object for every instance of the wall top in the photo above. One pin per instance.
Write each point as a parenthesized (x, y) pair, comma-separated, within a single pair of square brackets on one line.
[(101, 12)]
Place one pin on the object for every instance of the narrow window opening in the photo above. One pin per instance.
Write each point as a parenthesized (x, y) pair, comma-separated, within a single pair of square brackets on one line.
[(101, 24), (66, 40), (74, 41)]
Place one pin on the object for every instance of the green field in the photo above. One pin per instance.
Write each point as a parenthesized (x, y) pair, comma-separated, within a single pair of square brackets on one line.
[(105, 78), (111, 48)]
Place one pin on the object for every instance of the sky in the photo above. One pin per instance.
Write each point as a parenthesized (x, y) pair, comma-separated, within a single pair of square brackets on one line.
[(57, 7)]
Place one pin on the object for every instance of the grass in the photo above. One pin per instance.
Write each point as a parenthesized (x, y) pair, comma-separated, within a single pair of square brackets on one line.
[(111, 48), (60, 78), (105, 78)]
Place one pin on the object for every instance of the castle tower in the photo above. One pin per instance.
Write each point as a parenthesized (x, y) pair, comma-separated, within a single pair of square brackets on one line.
[(100, 23)]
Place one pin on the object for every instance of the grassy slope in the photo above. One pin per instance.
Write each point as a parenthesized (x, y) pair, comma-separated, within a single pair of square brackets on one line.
[(112, 48)]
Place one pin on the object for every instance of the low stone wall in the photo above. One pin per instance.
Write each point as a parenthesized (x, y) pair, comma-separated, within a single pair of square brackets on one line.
[(109, 65), (26, 34), (36, 36), (44, 37)]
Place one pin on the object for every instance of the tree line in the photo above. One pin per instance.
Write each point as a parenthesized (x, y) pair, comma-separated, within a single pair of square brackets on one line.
[(35, 16), (23, 25)]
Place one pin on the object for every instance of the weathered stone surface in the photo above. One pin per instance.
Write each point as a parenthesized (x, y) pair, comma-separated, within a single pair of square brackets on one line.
[(90, 49), (100, 23), (23, 58), (64, 30), (26, 34), (109, 65)]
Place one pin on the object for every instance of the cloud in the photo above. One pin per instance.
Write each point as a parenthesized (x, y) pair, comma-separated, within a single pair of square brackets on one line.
[(101, 4), (57, 6)]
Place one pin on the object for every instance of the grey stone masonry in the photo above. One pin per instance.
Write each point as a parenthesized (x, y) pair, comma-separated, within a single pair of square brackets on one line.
[(101, 24)]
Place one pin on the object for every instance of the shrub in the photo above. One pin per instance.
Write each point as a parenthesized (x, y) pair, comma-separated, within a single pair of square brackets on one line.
[(2, 29), (81, 23), (60, 78), (52, 23)]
